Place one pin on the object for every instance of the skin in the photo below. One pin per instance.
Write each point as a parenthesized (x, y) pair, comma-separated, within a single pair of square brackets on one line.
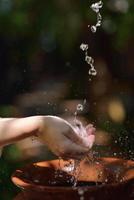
[(61, 137)]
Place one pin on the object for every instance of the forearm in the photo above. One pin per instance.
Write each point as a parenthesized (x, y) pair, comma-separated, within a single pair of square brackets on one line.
[(15, 129)]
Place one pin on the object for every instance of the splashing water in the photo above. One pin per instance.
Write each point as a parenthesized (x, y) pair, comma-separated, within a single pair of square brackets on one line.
[(76, 172), (73, 168), (84, 47)]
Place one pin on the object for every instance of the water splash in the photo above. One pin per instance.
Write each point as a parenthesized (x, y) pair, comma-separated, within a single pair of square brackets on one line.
[(73, 168), (76, 172), (84, 47), (69, 167)]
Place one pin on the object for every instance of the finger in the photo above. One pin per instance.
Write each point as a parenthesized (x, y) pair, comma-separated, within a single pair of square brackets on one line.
[(74, 137), (85, 138), (68, 149), (90, 129)]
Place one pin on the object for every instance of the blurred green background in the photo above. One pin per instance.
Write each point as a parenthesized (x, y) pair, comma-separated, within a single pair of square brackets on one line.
[(42, 71)]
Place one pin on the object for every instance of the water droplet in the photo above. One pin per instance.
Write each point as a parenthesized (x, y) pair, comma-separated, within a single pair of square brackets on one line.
[(98, 23), (84, 102), (60, 175), (84, 47), (93, 29), (99, 17), (69, 168), (36, 181), (80, 191), (97, 6), (92, 72), (100, 174), (106, 180), (80, 107), (88, 59)]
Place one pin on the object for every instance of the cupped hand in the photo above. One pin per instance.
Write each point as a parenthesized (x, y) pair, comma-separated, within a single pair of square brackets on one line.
[(65, 140)]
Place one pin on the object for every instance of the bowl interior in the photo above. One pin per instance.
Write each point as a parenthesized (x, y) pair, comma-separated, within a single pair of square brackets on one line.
[(55, 174)]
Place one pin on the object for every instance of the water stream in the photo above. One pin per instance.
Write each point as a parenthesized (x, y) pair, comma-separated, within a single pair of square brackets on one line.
[(85, 47), (80, 107), (73, 167)]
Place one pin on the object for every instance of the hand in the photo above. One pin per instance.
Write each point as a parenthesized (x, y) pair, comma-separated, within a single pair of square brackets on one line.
[(65, 140)]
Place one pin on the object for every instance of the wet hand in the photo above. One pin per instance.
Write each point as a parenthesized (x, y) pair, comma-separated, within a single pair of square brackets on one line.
[(65, 140)]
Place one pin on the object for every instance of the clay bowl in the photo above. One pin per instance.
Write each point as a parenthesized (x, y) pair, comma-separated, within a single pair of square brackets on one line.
[(101, 179)]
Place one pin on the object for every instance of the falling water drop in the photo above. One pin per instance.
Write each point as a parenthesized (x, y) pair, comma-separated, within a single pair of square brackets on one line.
[(99, 19), (84, 47), (88, 59), (81, 193), (96, 6), (93, 29), (80, 107), (92, 72)]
